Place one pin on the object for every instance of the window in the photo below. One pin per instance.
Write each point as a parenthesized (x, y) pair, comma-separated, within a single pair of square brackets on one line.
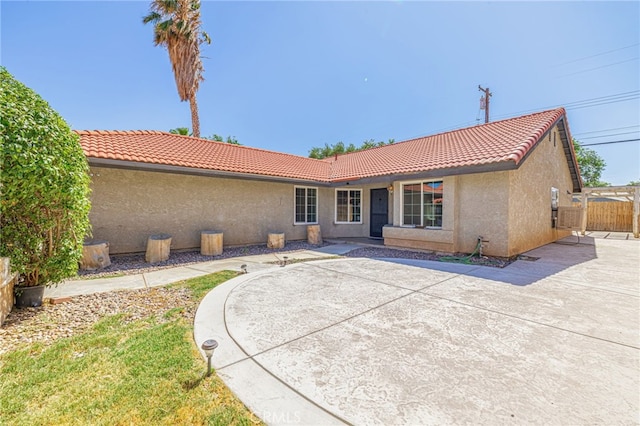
[(422, 204), (349, 206), (306, 205)]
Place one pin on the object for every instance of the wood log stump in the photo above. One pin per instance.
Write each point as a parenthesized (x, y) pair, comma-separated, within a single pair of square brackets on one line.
[(95, 255), (314, 236), (158, 248), (275, 240), (211, 243), (7, 282)]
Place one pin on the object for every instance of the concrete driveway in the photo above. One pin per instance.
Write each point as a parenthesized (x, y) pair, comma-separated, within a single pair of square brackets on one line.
[(550, 340)]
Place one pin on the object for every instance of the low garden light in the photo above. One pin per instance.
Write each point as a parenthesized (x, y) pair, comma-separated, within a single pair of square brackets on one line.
[(208, 346), (243, 268)]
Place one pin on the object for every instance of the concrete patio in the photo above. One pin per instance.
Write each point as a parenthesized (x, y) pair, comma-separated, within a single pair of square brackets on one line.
[(550, 340)]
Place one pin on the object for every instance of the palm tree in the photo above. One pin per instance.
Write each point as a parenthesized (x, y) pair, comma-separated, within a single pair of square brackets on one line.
[(176, 26)]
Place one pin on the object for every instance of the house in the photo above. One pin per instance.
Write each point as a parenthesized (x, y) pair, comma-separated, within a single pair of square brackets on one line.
[(438, 192)]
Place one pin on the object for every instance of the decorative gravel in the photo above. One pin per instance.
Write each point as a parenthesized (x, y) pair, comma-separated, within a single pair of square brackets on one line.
[(51, 322), (384, 252), (135, 263)]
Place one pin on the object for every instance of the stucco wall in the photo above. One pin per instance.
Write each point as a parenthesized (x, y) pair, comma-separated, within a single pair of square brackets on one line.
[(473, 205), (483, 211), (509, 209), (530, 195), (130, 205), (426, 239), (330, 229)]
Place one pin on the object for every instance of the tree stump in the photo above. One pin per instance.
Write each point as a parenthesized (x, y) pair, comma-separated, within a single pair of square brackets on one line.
[(158, 247), (95, 255), (211, 243), (314, 236), (275, 240)]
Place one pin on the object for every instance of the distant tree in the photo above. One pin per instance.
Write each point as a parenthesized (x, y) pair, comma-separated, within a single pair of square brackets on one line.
[(176, 26), (230, 139), (371, 143), (340, 148), (591, 165), (634, 183), (184, 131)]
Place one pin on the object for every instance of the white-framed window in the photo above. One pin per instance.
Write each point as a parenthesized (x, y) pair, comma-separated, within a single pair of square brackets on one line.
[(306, 205), (348, 205), (422, 204)]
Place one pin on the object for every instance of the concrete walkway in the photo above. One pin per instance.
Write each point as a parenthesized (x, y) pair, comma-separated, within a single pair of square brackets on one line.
[(554, 339), (171, 275)]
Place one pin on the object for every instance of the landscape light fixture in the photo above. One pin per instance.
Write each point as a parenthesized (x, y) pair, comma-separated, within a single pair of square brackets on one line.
[(243, 268), (208, 346), (284, 262)]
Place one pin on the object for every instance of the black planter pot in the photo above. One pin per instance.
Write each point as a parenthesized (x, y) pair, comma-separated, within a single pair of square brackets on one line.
[(29, 297)]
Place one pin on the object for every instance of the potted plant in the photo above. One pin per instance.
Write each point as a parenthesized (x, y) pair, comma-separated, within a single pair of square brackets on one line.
[(44, 187)]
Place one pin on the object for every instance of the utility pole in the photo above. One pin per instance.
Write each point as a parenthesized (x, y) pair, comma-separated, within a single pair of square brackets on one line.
[(484, 102)]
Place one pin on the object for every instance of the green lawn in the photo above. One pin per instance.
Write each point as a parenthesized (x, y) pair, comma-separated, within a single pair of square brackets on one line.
[(147, 371)]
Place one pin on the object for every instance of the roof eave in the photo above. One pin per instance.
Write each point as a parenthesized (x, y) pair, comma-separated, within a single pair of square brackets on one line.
[(569, 152), (430, 174), (165, 168), (567, 144)]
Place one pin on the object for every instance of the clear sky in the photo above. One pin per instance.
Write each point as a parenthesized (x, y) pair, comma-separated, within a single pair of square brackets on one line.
[(288, 76)]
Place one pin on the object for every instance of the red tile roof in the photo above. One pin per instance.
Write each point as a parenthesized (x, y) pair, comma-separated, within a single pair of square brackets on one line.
[(497, 143), (505, 141), (154, 147)]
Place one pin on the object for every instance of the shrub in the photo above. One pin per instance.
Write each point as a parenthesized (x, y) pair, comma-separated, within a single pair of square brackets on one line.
[(44, 185)]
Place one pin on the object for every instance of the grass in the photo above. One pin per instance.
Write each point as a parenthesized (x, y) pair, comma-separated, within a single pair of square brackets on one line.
[(120, 372)]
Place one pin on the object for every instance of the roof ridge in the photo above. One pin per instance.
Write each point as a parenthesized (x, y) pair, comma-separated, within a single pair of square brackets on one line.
[(118, 132), (160, 132), (517, 117)]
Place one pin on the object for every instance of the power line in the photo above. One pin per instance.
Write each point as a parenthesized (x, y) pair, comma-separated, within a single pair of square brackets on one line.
[(585, 103), (606, 97), (608, 136), (608, 130), (598, 54), (603, 66), (601, 100), (610, 142), (602, 103)]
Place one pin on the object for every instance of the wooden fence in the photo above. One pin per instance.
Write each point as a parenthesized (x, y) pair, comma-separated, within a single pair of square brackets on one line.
[(614, 216)]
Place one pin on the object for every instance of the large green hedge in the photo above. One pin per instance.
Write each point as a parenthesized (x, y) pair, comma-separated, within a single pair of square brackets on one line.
[(44, 185)]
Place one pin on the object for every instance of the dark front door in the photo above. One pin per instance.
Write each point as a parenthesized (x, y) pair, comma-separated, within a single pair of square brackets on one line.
[(379, 211)]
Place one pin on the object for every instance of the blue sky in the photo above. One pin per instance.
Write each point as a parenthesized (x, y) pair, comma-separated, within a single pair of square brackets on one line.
[(288, 76)]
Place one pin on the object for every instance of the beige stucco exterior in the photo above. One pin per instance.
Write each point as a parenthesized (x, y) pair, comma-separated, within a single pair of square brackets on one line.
[(530, 195), (510, 210), (130, 205), (426, 239)]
